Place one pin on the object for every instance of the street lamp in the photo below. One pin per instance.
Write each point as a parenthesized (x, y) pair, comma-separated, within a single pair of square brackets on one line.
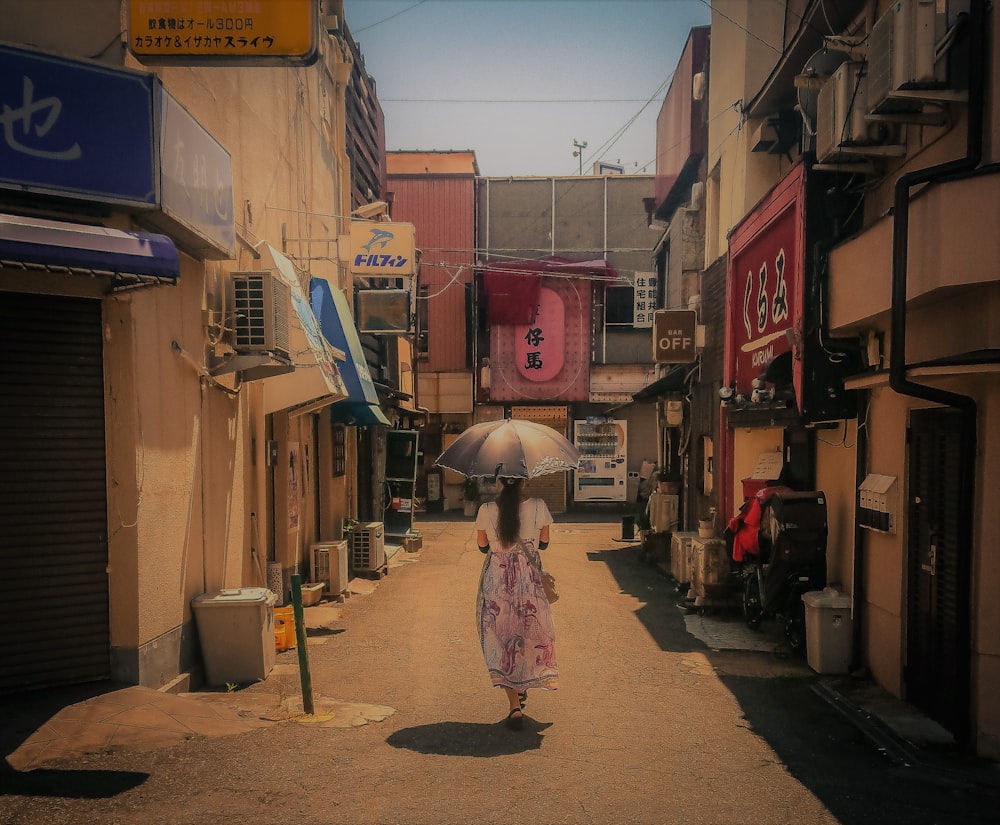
[(580, 146)]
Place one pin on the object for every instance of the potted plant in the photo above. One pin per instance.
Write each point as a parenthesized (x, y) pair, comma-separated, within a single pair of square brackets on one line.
[(470, 492)]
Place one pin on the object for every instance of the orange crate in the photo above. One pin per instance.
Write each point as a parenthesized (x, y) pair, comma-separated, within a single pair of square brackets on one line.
[(284, 628)]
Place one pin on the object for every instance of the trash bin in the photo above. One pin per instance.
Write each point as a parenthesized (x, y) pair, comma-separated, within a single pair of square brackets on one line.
[(236, 629), (829, 630)]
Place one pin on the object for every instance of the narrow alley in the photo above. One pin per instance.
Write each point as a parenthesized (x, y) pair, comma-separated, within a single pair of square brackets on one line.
[(649, 724)]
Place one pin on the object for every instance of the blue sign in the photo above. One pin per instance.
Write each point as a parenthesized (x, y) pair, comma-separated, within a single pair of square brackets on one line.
[(75, 128)]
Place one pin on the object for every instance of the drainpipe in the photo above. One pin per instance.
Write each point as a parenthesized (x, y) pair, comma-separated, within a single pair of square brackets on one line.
[(961, 168)]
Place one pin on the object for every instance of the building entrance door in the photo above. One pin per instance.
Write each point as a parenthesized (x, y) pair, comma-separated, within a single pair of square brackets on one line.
[(937, 639)]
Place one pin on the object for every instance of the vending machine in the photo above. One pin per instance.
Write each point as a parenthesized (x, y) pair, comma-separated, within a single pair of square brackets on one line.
[(602, 474)]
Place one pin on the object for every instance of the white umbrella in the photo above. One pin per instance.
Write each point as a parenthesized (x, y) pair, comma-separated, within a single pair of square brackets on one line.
[(509, 447)]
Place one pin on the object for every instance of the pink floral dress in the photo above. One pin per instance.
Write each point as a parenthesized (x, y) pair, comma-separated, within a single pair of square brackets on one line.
[(516, 630)]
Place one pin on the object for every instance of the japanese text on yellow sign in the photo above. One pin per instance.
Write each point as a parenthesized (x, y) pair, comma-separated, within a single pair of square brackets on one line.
[(282, 30), (384, 249)]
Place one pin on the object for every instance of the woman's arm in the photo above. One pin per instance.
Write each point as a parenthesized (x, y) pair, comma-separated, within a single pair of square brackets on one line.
[(543, 537), (482, 541)]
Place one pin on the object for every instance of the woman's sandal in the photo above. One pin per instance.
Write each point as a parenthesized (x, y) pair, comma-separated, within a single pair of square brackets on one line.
[(522, 697), (515, 722)]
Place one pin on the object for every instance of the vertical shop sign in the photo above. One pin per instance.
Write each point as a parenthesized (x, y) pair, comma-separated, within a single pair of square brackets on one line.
[(645, 300), (766, 274)]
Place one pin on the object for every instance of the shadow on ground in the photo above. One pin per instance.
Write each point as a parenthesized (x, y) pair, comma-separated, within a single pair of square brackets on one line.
[(23, 714), (50, 782), (852, 774), (470, 738)]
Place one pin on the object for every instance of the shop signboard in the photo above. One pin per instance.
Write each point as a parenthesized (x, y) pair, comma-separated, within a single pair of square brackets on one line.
[(674, 336), (764, 310), (76, 129), (384, 249), (196, 181), (216, 32), (540, 346)]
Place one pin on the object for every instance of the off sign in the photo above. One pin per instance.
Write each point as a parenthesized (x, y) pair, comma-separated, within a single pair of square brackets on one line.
[(674, 336)]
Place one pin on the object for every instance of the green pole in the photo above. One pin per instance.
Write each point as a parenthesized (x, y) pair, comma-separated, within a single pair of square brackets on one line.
[(300, 638)]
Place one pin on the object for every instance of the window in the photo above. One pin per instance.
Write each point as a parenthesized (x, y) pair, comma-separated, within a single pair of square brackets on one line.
[(339, 451), (619, 306)]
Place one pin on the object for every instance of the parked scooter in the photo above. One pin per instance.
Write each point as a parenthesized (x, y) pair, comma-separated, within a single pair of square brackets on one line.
[(791, 560)]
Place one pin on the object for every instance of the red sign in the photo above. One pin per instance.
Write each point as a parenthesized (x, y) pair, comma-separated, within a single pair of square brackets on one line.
[(766, 262), (540, 347)]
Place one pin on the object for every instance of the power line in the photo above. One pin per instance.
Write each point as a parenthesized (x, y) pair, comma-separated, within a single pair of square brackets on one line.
[(390, 17), (510, 100)]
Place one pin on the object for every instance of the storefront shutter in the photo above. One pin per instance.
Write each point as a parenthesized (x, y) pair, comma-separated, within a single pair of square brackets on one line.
[(550, 488), (53, 500)]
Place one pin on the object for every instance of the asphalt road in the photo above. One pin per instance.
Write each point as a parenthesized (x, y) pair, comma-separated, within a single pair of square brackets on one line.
[(648, 726)]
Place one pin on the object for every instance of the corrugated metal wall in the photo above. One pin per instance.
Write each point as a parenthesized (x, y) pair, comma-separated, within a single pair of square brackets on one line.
[(442, 208)]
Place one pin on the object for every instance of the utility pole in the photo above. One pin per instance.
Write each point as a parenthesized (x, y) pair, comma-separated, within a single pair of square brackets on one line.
[(580, 146)]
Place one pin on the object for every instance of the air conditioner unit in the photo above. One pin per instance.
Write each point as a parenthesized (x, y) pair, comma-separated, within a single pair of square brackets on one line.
[(368, 547), (329, 565), (259, 307), (680, 555), (902, 56), (841, 110)]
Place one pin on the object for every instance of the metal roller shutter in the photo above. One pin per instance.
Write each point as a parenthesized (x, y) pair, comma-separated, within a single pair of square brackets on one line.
[(53, 499), (550, 488)]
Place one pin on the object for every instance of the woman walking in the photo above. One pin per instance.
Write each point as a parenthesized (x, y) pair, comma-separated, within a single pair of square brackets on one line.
[(515, 619)]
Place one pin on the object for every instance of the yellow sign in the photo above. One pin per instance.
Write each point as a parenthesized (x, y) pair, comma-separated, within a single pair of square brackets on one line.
[(384, 249), (223, 31)]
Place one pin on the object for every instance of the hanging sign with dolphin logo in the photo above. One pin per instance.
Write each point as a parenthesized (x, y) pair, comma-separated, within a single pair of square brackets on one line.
[(384, 249)]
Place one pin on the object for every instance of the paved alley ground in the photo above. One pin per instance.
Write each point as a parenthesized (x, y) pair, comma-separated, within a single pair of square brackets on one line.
[(649, 725)]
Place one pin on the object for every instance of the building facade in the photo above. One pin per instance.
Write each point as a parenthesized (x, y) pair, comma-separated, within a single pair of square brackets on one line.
[(175, 229), (564, 307), (851, 187)]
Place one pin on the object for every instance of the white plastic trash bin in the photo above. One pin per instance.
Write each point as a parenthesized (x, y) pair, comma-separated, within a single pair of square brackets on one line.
[(236, 629), (829, 630)]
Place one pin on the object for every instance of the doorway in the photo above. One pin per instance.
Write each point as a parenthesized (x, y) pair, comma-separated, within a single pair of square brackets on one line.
[(938, 564)]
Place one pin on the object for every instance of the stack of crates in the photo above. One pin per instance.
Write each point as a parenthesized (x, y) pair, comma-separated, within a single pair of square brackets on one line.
[(284, 628)]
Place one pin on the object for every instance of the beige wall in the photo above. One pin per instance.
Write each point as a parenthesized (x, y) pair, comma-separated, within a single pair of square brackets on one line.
[(748, 444), (746, 43), (836, 459)]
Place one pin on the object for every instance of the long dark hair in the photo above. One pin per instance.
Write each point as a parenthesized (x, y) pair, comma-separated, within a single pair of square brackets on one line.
[(509, 506)]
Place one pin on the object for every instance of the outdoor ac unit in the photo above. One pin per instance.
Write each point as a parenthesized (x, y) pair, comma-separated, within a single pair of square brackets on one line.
[(329, 565), (368, 547), (902, 56), (841, 110), (260, 306)]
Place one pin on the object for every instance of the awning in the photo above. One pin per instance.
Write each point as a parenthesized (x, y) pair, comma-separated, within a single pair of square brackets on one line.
[(512, 286), (361, 407), (674, 381), (128, 258), (316, 380)]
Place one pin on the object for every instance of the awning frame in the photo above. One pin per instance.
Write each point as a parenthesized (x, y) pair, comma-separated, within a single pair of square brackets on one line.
[(128, 259)]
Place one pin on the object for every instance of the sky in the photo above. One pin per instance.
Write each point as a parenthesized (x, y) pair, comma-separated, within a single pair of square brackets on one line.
[(524, 83)]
